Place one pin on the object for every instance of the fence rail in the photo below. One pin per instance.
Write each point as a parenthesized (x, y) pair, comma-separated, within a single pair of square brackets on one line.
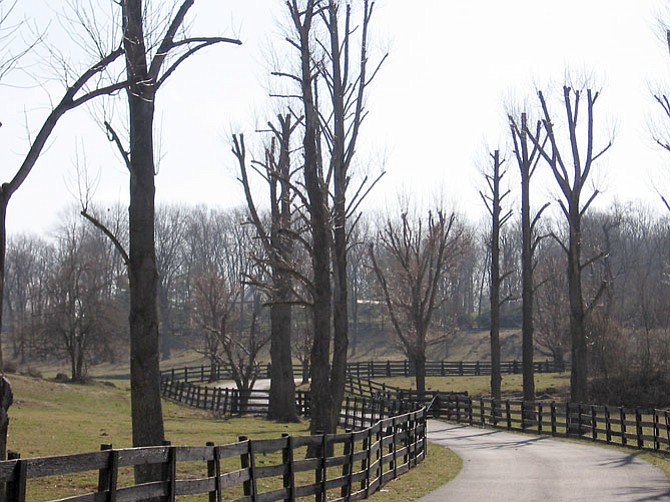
[(370, 370), (346, 466), (640, 428)]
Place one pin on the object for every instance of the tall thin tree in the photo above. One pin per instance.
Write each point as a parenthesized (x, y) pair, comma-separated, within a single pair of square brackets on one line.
[(493, 200), (571, 173), (527, 157)]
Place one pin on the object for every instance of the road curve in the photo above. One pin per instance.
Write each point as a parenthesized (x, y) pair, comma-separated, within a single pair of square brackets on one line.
[(502, 466)]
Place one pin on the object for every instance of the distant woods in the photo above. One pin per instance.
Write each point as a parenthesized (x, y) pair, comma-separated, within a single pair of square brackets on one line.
[(66, 296)]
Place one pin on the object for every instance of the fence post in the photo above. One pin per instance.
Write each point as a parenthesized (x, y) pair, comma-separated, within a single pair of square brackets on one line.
[(347, 466), (608, 425), (509, 415), (16, 490), (622, 415), (553, 418), (539, 418), (657, 443), (638, 428), (369, 461), (287, 459), (594, 423), (482, 418), (214, 496), (247, 462), (107, 476), (580, 423)]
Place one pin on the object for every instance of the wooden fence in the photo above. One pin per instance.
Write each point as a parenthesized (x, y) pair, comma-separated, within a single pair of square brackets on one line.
[(639, 428), (347, 466), (370, 369)]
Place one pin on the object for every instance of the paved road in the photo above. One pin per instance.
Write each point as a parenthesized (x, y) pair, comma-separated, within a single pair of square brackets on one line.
[(500, 466)]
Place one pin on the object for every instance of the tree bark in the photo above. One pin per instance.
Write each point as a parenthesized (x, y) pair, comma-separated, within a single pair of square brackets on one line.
[(147, 416), (340, 168), (282, 390), (579, 367)]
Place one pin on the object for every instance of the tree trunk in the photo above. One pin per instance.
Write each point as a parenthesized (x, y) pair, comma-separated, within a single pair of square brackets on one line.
[(282, 387), (579, 367), (165, 327), (147, 417), (527, 328), (340, 177), (420, 369), (4, 201), (496, 377)]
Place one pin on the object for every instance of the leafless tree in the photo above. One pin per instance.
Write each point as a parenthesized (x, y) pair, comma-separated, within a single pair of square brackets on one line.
[(571, 170), (278, 246), (527, 157), (171, 224), (152, 54), (333, 55), (416, 255), (80, 316), (493, 199)]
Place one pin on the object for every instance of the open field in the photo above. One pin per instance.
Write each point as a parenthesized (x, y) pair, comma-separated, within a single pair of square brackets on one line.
[(548, 386)]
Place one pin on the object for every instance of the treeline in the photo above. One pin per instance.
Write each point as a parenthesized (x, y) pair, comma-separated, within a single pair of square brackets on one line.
[(66, 295)]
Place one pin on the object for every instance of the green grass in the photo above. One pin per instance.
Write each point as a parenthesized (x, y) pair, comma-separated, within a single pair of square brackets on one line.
[(548, 386)]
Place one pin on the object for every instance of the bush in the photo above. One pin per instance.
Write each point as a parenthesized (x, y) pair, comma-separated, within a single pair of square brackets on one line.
[(11, 367), (32, 372), (632, 390)]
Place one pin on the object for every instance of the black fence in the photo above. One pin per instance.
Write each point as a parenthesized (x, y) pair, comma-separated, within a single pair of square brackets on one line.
[(647, 429), (370, 370), (346, 466)]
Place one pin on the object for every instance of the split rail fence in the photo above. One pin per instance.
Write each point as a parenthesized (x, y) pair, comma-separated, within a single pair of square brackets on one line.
[(346, 466), (371, 369), (646, 429), (384, 439)]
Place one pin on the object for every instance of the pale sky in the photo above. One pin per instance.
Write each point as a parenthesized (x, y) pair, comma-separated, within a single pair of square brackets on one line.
[(436, 108)]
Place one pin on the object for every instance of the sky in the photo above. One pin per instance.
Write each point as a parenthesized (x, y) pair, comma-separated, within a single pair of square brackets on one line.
[(436, 109)]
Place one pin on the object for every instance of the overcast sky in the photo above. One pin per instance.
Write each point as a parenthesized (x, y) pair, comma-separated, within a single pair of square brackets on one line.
[(436, 108)]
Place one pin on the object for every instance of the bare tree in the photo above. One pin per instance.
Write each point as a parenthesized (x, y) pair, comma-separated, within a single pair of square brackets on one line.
[(527, 158), (416, 255), (551, 302), (278, 254), (170, 230), (571, 171), (334, 59), (83, 88), (79, 316), (493, 200), (152, 55)]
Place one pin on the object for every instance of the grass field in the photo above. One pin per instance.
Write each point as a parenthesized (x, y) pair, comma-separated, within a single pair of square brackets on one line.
[(548, 386)]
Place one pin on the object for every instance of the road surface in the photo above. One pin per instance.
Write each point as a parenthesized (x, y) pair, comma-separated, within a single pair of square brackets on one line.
[(501, 466)]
